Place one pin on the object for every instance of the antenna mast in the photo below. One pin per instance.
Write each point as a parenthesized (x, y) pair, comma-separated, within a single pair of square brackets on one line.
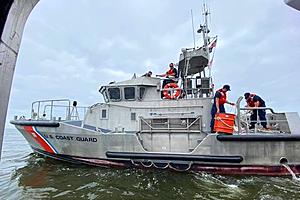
[(193, 28), (205, 26)]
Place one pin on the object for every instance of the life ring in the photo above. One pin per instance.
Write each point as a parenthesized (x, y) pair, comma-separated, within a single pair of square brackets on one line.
[(171, 95)]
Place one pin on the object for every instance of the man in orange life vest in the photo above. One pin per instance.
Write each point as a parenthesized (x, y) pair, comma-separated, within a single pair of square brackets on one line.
[(170, 74), (218, 107), (254, 100)]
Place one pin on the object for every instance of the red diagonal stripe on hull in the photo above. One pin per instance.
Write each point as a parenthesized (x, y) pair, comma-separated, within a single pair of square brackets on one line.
[(38, 139)]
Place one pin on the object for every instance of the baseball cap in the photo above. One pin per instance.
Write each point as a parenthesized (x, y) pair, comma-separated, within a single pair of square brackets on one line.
[(227, 87), (246, 95)]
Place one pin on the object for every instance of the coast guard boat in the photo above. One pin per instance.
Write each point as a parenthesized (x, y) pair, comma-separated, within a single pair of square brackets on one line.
[(137, 127)]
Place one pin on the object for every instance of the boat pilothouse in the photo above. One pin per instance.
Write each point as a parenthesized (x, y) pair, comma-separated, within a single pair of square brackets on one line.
[(136, 106), (136, 126), (133, 103)]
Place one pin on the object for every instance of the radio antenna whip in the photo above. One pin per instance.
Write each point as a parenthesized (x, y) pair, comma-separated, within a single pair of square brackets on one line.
[(193, 28)]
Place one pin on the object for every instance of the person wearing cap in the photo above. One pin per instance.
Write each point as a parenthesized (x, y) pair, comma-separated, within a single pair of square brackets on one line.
[(170, 75), (254, 100), (220, 99), (148, 74)]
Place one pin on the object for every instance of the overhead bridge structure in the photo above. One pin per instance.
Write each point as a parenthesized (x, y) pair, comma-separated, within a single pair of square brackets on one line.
[(13, 16), (293, 3)]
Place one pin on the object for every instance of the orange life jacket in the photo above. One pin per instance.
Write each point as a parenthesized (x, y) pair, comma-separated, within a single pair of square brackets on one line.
[(223, 98), (171, 72), (250, 101)]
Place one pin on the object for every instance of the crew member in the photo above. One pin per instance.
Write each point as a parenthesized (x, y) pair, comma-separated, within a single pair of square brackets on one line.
[(171, 74), (218, 107), (148, 74), (254, 100)]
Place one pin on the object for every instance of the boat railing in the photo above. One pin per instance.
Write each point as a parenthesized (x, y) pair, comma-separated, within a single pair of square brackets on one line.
[(196, 87), (172, 125), (242, 120), (198, 92), (60, 109)]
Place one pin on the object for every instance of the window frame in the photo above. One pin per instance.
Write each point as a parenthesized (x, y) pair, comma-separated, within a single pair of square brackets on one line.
[(105, 96), (133, 116), (134, 96), (109, 96), (106, 113), (139, 93)]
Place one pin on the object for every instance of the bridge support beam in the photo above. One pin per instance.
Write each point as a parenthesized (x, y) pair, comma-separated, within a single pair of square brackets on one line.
[(293, 3), (13, 16)]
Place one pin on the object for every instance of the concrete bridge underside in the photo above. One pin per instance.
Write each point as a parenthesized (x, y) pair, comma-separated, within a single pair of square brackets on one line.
[(13, 16)]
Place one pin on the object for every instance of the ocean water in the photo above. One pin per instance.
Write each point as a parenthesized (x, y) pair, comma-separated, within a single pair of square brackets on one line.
[(25, 175)]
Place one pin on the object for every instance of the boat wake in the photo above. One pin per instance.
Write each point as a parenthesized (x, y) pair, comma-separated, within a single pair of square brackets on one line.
[(295, 178)]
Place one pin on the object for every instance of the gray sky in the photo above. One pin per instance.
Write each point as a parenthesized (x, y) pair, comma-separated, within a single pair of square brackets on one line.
[(69, 50)]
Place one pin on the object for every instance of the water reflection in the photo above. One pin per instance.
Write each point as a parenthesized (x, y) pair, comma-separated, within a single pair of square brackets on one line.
[(59, 179), (47, 178)]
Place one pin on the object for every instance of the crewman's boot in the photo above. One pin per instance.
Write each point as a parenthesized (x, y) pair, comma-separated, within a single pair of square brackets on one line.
[(252, 125)]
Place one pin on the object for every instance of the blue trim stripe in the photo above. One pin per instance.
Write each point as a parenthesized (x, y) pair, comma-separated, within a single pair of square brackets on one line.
[(45, 139)]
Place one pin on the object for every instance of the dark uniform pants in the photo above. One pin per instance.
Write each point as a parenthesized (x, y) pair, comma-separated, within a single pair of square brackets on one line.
[(213, 113), (262, 117)]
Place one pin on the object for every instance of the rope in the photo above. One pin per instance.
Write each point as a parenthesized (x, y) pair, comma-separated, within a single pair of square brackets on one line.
[(147, 166), (165, 167), (219, 119), (134, 163), (168, 165)]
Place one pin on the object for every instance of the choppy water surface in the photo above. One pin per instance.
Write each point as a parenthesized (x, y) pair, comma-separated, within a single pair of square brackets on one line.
[(24, 175)]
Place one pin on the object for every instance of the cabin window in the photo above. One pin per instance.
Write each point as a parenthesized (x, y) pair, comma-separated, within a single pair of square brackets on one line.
[(133, 116), (114, 93), (129, 92), (103, 114), (141, 92)]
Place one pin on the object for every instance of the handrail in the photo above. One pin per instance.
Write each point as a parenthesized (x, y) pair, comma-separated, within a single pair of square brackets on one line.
[(238, 108), (49, 100), (260, 108), (238, 117), (146, 122), (197, 119), (68, 113), (43, 105), (172, 113), (186, 128), (86, 107)]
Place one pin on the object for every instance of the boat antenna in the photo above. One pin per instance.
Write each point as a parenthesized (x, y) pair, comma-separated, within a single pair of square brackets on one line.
[(210, 21), (205, 26), (205, 32), (192, 16)]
